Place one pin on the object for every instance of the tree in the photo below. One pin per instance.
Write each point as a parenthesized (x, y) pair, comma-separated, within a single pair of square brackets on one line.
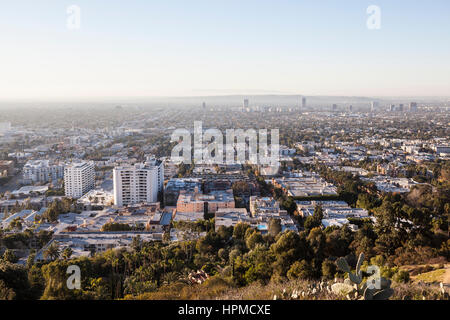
[(300, 269), (10, 256), (5, 292), (30, 259), (52, 251), (67, 253), (315, 220), (328, 269), (274, 227), (37, 281), (223, 254), (112, 226), (316, 241), (239, 230), (16, 224), (14, 277), (254, 239)]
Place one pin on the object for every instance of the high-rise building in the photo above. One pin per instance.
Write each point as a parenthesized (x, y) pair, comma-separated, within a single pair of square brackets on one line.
[(245, 103), (413, 106), (79, 178), (303, 103), (350, 108), (334, 108), (139, 183), (400, 107), (373, 106), (392, 107)]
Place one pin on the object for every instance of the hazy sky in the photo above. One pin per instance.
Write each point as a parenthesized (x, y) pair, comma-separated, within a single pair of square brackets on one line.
[(189, 47)]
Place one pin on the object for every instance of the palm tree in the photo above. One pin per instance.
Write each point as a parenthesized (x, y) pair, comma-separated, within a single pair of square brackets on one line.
[(67, 253), (52, 251)]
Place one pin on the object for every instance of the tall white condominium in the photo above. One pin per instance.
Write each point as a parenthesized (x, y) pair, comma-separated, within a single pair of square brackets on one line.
[(79, 178), (139, 183)]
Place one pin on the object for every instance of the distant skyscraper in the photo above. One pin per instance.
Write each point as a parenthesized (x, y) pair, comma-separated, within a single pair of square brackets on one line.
[(79, 178), (303, 102), (334, 107), (400, 107), (413, 106), (350, 108), (204, 105), (392, 107), (245, 103), (373, 106)]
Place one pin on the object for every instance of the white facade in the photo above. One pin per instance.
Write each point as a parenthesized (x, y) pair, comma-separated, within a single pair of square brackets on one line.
[(139, 183), (42, 171), (79, 178)]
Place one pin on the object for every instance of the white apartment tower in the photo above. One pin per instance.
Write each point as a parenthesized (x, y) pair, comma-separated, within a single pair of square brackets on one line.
[(79, 178), (139, 183)]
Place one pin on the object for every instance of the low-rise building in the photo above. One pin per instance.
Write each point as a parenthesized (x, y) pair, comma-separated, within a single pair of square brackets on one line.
[(6, 168), (304, 185), (96, 198), (86, 244), (335, 213), (207, 203), (41, 171), (175, 186)]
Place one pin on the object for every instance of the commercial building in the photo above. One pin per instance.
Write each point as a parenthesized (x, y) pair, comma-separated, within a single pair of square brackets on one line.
[(413, 106), (246, 104), (210, 203)]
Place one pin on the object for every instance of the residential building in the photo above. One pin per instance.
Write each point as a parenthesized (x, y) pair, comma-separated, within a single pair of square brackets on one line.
[(41, 171), (139, 183), (79, 178), (175, 186)]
